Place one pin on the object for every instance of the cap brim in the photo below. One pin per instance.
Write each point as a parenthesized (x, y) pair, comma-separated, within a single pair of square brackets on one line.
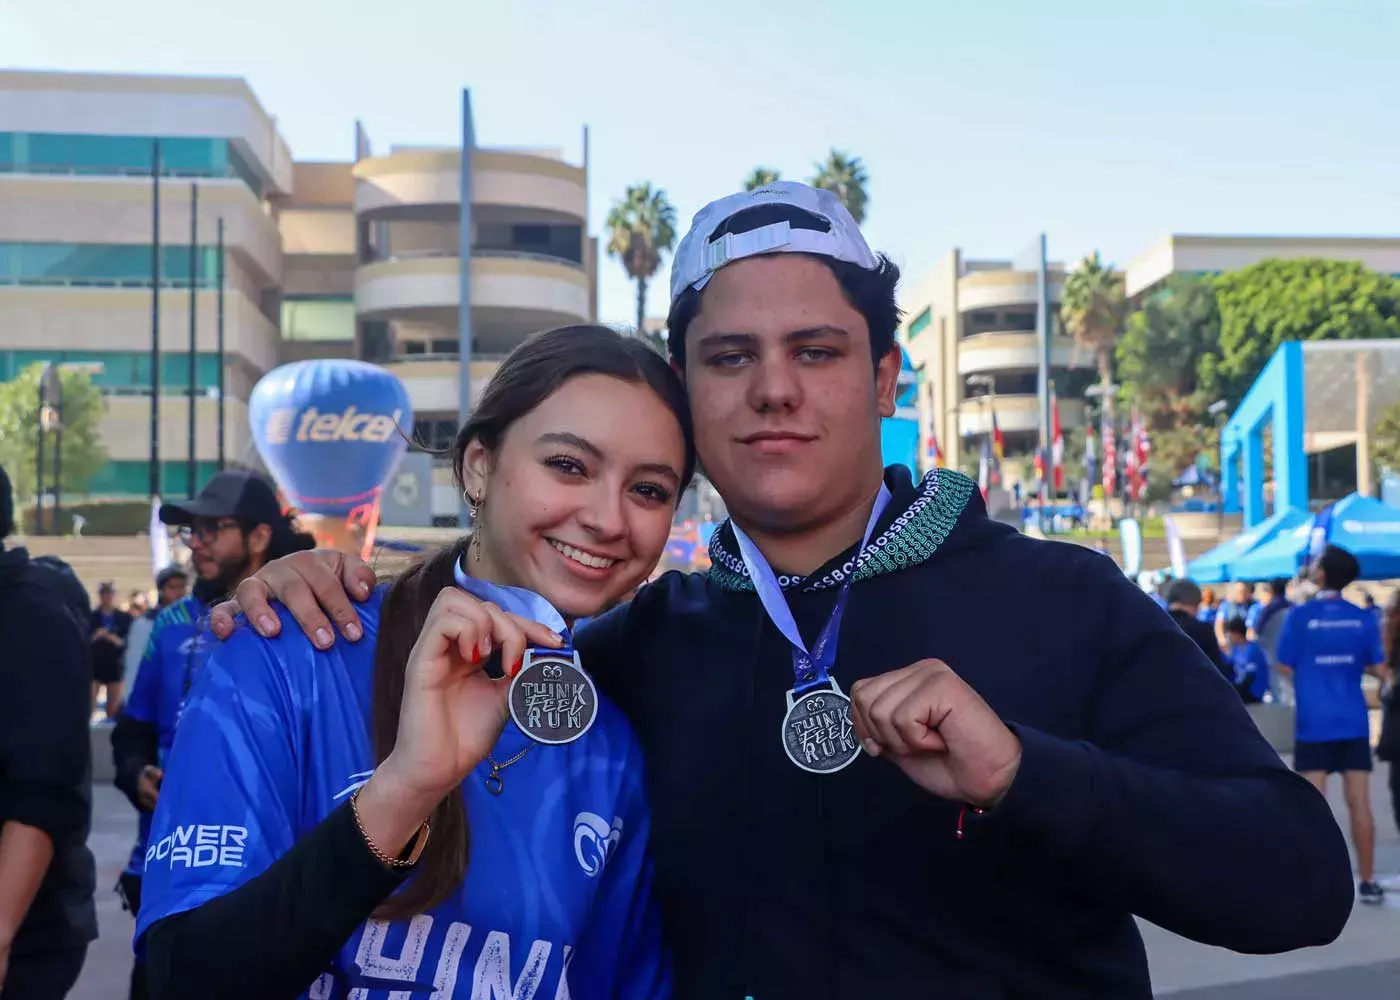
[(191, 510)]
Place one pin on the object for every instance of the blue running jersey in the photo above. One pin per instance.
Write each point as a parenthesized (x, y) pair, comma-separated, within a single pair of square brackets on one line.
[(1329, 642), (171, 660), (557, 901)]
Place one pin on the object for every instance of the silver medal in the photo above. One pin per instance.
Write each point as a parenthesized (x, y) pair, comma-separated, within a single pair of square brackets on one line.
[(551, 699), (817, 732)]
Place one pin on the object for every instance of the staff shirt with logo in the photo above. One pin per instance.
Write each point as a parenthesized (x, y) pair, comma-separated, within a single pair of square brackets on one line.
[(557, 900), (173, 656), (1329, 642), (1250, 668)]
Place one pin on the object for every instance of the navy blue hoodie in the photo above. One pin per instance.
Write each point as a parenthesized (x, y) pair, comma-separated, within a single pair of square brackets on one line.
[(1144, 787)]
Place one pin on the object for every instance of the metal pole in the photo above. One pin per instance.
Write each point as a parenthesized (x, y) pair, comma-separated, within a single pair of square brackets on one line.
[(219, 349), (194, 309), (155, 318), (39, 455), (464, 307), (1042, 324), (56, 517)]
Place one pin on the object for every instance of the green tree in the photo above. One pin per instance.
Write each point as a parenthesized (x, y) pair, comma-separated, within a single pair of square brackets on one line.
[(1168, 360), (81, 414), (1273, 301), (844, 176), (1385, 439), (641, 228), (761, 176), (1092, 305)]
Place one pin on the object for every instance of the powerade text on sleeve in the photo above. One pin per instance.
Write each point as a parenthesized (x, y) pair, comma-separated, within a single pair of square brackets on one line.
[(556, 901)]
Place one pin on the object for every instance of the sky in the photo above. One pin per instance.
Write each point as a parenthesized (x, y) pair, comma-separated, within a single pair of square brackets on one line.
[(1107, 125)]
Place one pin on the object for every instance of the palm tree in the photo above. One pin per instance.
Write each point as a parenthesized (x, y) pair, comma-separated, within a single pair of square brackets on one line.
[(844, 176), (1092, 307), (761, 177), (641, 227)]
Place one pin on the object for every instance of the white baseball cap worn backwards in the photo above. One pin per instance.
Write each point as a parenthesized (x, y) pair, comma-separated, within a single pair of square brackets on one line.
[(699, 256)]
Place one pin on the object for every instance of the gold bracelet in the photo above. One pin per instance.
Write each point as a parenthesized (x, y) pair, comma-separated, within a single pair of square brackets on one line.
[(420, 840)]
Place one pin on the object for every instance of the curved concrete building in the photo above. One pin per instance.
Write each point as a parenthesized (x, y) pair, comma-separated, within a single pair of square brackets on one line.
[(970, 331)]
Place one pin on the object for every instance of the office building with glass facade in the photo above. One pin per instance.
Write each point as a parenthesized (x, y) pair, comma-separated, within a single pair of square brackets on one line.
[(359, 258)]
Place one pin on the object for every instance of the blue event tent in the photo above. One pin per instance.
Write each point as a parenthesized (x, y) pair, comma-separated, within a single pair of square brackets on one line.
[(1365, 527), (1217, 565)]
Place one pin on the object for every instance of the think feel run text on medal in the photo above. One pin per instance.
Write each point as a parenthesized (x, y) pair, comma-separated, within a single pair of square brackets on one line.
[(551, 699)]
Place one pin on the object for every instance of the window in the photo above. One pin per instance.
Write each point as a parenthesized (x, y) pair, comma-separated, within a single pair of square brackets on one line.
[(122, 156), (122, 371), (103, 264), (318, 318), (920, 323)]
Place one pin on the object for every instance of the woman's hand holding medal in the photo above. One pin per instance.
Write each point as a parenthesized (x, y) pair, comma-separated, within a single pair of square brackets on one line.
[(452, 711), (939, 731)]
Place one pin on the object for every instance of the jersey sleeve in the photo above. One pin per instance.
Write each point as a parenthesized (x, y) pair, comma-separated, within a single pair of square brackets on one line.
[(143, 700), (1251, 618), (228, 806), (1289, 637), (621, 955)]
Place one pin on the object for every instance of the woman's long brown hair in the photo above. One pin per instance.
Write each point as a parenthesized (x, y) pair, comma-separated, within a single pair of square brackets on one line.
[(1390, 630), (531, 373)]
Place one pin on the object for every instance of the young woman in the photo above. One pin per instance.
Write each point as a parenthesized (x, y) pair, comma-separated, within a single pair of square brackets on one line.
[(367, 822)]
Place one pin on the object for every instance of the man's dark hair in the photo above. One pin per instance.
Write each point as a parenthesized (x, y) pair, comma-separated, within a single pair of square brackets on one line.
[(870, 292), (1183, 592), (7, 506), (1279, 586), (1339, 567), (1237, 626)]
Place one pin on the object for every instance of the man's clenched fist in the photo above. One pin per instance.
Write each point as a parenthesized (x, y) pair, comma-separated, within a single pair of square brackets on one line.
[(939, 731)]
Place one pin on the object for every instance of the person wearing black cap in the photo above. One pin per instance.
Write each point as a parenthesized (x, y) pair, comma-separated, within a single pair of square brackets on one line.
[(1327, 645), (47, 916), (232, 528)]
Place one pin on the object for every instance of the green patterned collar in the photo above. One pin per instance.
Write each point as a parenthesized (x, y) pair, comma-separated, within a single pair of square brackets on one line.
[(911, 539)]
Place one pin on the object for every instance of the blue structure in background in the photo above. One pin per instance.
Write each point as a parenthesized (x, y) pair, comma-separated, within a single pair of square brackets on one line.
[(1277, 397), (1217, 565), (899, 434), (1365, 527)]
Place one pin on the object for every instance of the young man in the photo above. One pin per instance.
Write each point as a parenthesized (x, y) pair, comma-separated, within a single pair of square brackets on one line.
[(1249, 666), (232, 528), (1326, 646), (1016, 801), (110, 627), (47, 916)]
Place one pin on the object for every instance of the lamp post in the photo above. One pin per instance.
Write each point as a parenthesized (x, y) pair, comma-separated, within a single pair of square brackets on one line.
[(1098, 391), (1217, 410)]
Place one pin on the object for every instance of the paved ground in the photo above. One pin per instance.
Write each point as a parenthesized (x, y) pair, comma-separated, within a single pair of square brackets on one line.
[(1363, 963)]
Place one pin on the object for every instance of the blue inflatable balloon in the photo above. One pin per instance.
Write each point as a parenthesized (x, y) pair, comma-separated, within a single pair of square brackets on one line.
[(331, 431)]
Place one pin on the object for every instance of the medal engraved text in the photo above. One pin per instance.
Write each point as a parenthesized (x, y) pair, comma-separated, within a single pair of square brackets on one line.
[(554, 704), (823, 731)]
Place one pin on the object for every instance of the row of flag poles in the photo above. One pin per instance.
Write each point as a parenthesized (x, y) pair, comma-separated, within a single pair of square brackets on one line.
[(1136, 444)]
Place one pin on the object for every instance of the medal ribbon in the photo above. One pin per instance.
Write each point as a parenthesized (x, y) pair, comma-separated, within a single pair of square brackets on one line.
[(810, 668), (517, 601)]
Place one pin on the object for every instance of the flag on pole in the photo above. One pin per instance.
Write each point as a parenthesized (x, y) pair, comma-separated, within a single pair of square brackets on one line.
[(1110, 457), (935, 452), (1144, 454), (998, 439), (160, 540), (1134, 468), (984, 468), (1091, 453), (1057, 443)]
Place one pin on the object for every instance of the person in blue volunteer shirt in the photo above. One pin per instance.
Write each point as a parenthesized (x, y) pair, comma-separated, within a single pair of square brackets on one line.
[(1327, 645), (1249, 666), (366, 822), (1239, 603), (232, 529)]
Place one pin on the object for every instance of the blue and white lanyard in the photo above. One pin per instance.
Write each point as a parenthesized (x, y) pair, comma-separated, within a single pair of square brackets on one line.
[(810, 668)]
